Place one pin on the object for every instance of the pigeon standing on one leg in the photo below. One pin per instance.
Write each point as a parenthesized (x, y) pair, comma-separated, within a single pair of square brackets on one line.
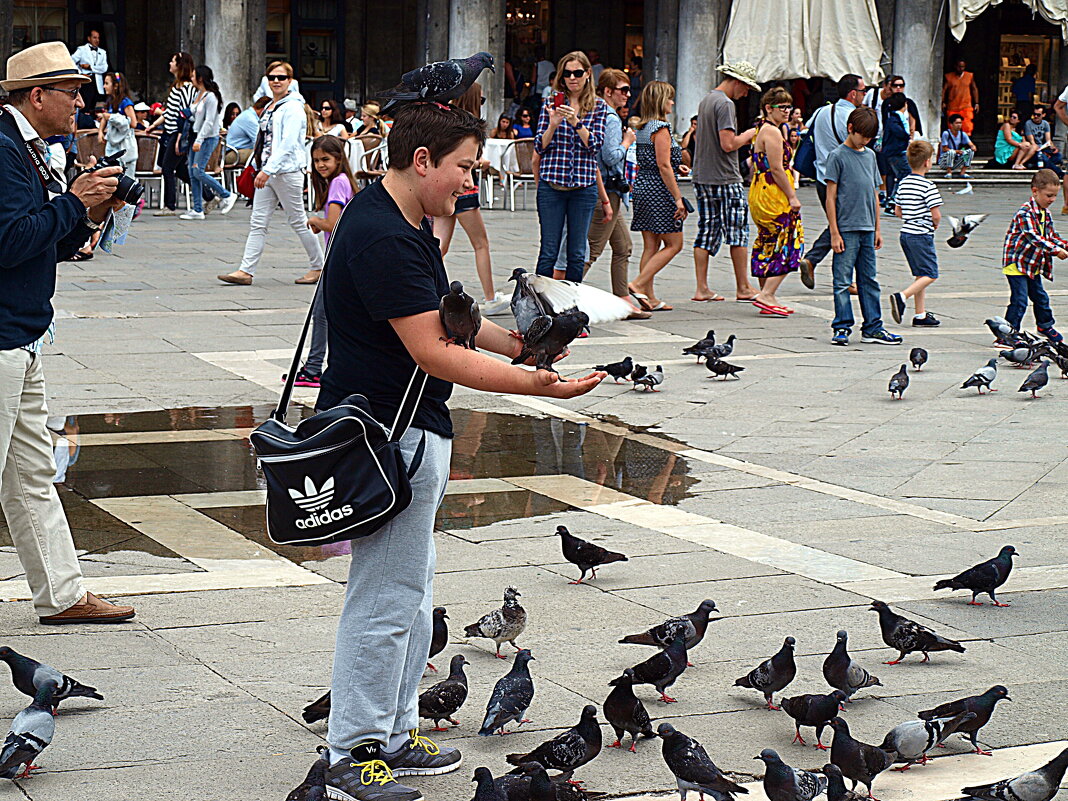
[(813, 710), (585, 555), (460, 317), (446, 697), (985, 577), (511, 696), (568, 750), (842, 673), (438, 82), (501, 625), (1036, 380), (1037, 785), (912, 739), (693, 768), (858, 761), (907, 635), (28, 675), (31, 732), (983, 707), (983, 377), (899, 382), (625, 712), (664, 668), (783, 783), (772, 674), (617, 370)]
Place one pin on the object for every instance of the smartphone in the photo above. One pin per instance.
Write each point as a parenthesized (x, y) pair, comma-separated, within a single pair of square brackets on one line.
[(558, 99)]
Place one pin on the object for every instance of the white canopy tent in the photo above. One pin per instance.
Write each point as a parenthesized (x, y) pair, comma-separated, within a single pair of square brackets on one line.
[(961, 12)]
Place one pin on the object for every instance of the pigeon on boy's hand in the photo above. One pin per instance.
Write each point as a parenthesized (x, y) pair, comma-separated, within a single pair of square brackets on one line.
[(460, 317), (548, 337)]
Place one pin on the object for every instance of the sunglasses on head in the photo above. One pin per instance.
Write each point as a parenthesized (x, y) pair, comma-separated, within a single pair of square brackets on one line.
[(275, 78), (573, 73)]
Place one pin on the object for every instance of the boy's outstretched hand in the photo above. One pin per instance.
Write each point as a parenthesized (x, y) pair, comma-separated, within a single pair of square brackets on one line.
[(553, 386)]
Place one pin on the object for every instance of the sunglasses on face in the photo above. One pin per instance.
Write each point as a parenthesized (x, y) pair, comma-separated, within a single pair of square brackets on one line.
[(573, 73), (783, 107), (277, 78), (897, 86), (623, 90)]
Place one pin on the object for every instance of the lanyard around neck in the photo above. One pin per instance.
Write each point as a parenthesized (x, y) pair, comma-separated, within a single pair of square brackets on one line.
[(48, 178)]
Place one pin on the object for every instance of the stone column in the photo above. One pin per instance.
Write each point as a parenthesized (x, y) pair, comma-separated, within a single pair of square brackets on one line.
[(919, 44), (6, 22), (1060, 79), (661, 64), (700, 28), (237, 69), (432, 30), (474, 26), (191, 25)]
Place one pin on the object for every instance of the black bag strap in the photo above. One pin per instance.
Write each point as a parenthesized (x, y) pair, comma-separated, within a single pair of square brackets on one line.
[(834, 131)]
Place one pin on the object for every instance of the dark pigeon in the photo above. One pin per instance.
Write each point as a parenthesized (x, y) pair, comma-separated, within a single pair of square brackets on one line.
[(1038, 785), (772, 674), (1001, 329), (650, 381), (813, 710), (701, 347), (918, 357), (692, 767), (625, 712), (783, 783), (908, 636), (319, 709), (460, 316), (860, 762), (313, 788), (568, 750), (842, 673), (1049, 351), (724, 349), (983, 578), (530, 782), (527, 304), (618, 370), (983, 377), (664, 668), (836, 789), (1036, 380), (548, 337), (912, 739), (31, 732), (719, 367), (438, 82), (442, 700), (692, 626), (486, 788), (962, 228), (899, 382), (983, 707), (501, 625), (28, 675), (640, 371), (511, 696), (585, 555)]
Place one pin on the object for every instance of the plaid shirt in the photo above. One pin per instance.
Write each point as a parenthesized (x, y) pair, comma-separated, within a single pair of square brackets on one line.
[(1031, 241), (567, 161)]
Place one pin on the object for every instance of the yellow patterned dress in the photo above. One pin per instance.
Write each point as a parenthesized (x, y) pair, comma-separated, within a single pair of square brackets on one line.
[(780, 239)]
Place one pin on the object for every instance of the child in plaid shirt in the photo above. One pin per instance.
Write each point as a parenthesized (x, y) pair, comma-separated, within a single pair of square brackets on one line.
[(1030, 245)]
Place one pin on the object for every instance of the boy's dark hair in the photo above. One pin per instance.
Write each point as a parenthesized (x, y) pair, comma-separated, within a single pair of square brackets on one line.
[(261, 103), (846, 84), (440, 129), (895, 102), (1045, 178), (864, 121), (954, 118)]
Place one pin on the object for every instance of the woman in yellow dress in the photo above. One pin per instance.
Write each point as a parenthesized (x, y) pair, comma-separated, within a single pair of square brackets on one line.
[(773, 205)]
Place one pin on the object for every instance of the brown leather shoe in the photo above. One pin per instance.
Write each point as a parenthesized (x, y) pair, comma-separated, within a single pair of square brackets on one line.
[(91, 610), (239, 277)]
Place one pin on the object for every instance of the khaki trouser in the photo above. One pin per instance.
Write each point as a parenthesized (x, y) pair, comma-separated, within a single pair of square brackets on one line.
[(34, 514), (617, 234), (234, 157)]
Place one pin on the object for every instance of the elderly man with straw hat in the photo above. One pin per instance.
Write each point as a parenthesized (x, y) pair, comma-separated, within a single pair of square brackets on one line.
[(40, 221)]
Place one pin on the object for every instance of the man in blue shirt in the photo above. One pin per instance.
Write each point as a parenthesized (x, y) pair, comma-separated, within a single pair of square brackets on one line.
[(242, 133)]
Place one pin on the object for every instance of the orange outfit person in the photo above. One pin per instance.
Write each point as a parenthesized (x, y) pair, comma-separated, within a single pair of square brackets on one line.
[(960, 95)]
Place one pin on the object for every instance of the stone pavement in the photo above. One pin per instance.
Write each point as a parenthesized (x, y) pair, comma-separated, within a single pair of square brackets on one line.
[(791, 496)]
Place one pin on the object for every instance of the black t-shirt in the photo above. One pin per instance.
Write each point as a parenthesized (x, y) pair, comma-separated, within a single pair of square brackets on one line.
[(380, 267)]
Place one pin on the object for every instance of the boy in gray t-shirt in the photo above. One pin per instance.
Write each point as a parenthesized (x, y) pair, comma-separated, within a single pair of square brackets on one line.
[(852, 210)]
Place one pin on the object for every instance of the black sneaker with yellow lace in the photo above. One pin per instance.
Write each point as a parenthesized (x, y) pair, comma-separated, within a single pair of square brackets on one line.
[(421, 756), (366, 777)]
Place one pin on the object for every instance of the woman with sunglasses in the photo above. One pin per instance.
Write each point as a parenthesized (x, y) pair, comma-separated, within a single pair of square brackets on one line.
[(332, 120), (281, 161), (522, 124), (179, 97), (569, 137)]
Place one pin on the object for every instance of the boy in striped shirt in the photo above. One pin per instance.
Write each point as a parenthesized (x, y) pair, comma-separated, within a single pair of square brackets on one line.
[(917, 202)]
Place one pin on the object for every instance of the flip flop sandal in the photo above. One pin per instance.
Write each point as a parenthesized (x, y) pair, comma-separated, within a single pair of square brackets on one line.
[(714, 299), (643, 300), (79, 256), (765, 306), (661, 306), (769, 312), (745, 300)]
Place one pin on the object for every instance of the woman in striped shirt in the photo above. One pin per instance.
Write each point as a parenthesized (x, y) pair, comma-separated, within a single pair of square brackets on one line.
[(179, 97)]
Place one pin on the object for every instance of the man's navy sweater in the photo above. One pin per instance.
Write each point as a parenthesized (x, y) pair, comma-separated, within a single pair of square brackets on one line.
[(34, 233)]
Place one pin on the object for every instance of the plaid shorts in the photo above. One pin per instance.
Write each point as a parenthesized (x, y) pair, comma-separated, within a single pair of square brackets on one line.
[(723, 214)]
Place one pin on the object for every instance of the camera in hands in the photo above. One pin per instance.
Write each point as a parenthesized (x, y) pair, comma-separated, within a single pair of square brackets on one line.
[(128, 190)]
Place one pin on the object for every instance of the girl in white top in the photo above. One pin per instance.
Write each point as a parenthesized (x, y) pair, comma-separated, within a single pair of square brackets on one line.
[(332, 120), (207, 123)]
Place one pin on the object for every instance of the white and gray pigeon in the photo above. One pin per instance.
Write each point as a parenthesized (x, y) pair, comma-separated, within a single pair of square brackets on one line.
[(692, 626), (540, 296), (693, 768), (511, 696), (1038, 785), (913, 739), (501, 625), (842, 673), (438, 82), (651, 380), (962, 227), (28, 675), (1001, 328), (31, 732), (983, 377), (783, 783)]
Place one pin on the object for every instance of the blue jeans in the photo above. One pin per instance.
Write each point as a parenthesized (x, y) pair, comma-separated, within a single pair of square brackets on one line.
[(897, 167), (198, 179), (555, 207), (1020, 289), (858, 257)]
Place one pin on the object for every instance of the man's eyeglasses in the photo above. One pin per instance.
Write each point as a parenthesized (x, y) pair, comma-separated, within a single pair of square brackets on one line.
[(277, 78), (71, 93), (573, 73), (625, 90)]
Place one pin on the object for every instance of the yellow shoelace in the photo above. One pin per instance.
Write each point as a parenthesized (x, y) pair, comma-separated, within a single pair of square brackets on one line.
[(374, 772), (428, 745)]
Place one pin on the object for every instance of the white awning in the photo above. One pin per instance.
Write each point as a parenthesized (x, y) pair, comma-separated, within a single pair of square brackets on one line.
[(961, 12), (787, 39)]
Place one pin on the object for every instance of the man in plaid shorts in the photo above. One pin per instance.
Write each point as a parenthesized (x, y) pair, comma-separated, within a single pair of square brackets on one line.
[(721, 197)]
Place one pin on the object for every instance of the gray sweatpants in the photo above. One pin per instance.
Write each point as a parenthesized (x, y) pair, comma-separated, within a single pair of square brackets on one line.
[(383, 636)]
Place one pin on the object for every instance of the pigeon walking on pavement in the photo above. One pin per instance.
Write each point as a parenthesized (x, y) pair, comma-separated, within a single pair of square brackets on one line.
[(783, 783), (859, 762), (913, 739), (723, 349), (438, 82), (625, 712), (460, 317), (640, 370), (918, 357), (313, 788), (899, 382), (982, 705), (702, 347), (444, 699), (813, 710), (28, 675), (568, 750), (720, 367), (585, 555), (983, 377), (650, 381), (772, 674), (501, 625), (618, 370), (986, 577), (693, 768), (842, 673), (692, 626), (511, 696), (664, 668), (907, 636), (1001, 329), (1036, 380), (31, 732), (1036, 785), (962, 228)]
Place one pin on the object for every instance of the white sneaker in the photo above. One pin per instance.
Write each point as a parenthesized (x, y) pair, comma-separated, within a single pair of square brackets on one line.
[(498, 305), (164, 212), (191, 215), (227, 203)]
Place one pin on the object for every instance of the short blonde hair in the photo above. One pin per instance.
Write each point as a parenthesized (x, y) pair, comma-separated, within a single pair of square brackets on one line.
[(285, 66), (654, 101), (918, 153)]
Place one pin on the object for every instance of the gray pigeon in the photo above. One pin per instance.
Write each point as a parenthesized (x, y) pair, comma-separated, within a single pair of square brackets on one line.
[(31, 732), (1000, 328), (313, 788), (438, 82), (907, 635), (720, 367), (1019, 356), (29, 675), (511, 696), (724, 349), (568, 750), (692, 767), (501, 625), (650, 381), (1038, 785), (783, 783), (913, 739), (692, 626), (446, 697), (486, 788), (772, 674), (1036, 380), (460, 317), (702, 347), (859, 761), (527, 304), (836, 789), (625, 712), (899, 382), (983, 377), (548, 337), (842, 673)]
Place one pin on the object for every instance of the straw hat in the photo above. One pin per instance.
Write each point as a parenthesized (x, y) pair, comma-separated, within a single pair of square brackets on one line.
[(41, 65), (743, 71)]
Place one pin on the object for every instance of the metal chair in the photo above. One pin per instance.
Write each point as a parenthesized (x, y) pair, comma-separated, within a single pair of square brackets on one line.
[(522, 152)]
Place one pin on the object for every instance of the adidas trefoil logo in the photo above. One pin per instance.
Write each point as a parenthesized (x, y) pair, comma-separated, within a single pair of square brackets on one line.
[(312, 500)]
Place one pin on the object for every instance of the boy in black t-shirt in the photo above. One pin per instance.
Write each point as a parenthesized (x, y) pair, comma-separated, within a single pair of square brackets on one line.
[(383, 281)]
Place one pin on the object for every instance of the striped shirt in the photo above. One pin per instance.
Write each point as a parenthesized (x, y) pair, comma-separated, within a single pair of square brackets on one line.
[(178, 97), (917, 195)]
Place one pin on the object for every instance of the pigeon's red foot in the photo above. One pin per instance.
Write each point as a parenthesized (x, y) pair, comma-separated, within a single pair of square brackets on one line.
[(440, 728), (502, 732), (577, 581), (926, 658), (525, 720), (25, 774), (981, 752), (940, 745), (689, 664), (431, 667), (633, 748), (923, 759), (895, 662), (774, 708), (903, 768), (975, 603), (616, 744), (799, 739), (998, 603), (667, 699), (499, 655), (822, 747)]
